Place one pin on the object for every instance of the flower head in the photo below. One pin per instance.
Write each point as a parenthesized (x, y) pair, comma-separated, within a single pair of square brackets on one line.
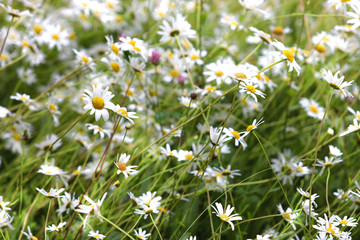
[(98, 101), (226, 215), (336, 82)]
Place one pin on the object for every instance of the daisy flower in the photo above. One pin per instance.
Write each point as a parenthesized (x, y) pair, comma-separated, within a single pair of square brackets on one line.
[(307, 195), (334, 151), (96, 235), (51, 170), (91, 210), (53, 193), (53, 227), (226, 216), (178, 27), (133, 45), (84, 59), (216, 71), (218, 136), (122, 168), (337, 83), (141, 234), (252, 127), (5, 219), (29, 235), (346, 221), (3, 204), (236, 135), (352, 128), (249, 87), (15, 12), (122, 111), (355, 113), (4, 112), (288, 215), (98, 101), (98, 129), (50, 143), (184, 155), (308, 208), (167, 151), (328, 162), (312, 108), (288, 55)]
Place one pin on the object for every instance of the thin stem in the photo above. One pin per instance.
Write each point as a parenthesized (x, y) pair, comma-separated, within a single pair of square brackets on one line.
[(47, 217), (327, 191), (271, 65), (156, 226), (117, 227), (7, 33)]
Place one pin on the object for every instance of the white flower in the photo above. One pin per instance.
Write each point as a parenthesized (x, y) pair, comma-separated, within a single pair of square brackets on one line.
[(288, 215), (15, 12), (184, 155), (53, 227), (218, 136), (51, 170), (5, 219), (249, 87), (312, 108), (123, 168), (98, 129), (29, 235), (98, 101), (122, 111), (334, 151), (91, 210), (226, 216), (50, 143), (252, 127), (328, 162), (337, 83), (96, 235), (4, 112), (141, 234), (3, 204), (352, 128), (53, 193), (236, 135), (288, 55), (179, 27), (134, 45), (346, 221)]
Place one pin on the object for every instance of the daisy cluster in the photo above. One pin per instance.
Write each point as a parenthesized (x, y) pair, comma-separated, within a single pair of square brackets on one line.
[(106, 100)]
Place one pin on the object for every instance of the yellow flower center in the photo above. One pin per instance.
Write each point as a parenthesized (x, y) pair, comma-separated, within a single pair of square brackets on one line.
[(137, 49), (328, 164), (210, 88), (286, 216), (224, 217), (289, 55), (121, 166), (98, 103), (16, 136), (123, 112), (250, 88), (250, 127), (22, 98), (110, 4), (320, 48), (313, 108), (130, 93), (344, 222), (278, 30), (235, 134), (96, 236), (26, 44), (4, 56), (219, 73), (300, 169), (332, 231), (174, 73), (52, 107), (343, 1), (33, 238), (76, 172), (132, 42), (38, 29), (85, 59), (189, 156), (194, 57), (115, 49), (240, 75), (115, 67), (56, 36)]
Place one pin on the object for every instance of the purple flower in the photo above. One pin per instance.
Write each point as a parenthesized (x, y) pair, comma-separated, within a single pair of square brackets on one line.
[(155, 57)]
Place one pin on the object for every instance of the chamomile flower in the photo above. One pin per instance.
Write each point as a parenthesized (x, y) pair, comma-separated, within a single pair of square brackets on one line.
[(178, 27), (133, 45), (334, 151), (249, 87), (167, 151), (84, 59), (15, 12), (96, 235), (355, 113), (183, 155), (123, 168), (288, 55), (3, 204), (216, 71), (226, 215), (4, 112), (252, 127), (355, 127), (122, 111), (98, 101), (29, 235), (141, 234), (288, 215), (237, 137), (53, 193), (337, 82), (218, 136), (50, 143), (68, 203), (346, 221), (51, 170), (54, 228), (312, 108), (91, 210), (98, 129), (328, 162), (5, 219)]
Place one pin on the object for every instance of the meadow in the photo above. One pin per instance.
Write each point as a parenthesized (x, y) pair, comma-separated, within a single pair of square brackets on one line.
[(179, 120)]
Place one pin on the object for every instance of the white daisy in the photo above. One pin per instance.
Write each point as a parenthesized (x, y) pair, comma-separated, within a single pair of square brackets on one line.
[(96, 235), (226, 215), (53, 227), (179, 27), (123, 168), (337, 83), (141, 234), (288, 55), (122, 111), (98, 101)]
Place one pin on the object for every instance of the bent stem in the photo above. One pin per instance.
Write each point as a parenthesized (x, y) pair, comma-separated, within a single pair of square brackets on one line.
[(7, 34), (327, 191), (156, 226)]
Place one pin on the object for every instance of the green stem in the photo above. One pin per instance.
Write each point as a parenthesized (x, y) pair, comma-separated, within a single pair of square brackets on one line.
[(117, 227), (156, 226)]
